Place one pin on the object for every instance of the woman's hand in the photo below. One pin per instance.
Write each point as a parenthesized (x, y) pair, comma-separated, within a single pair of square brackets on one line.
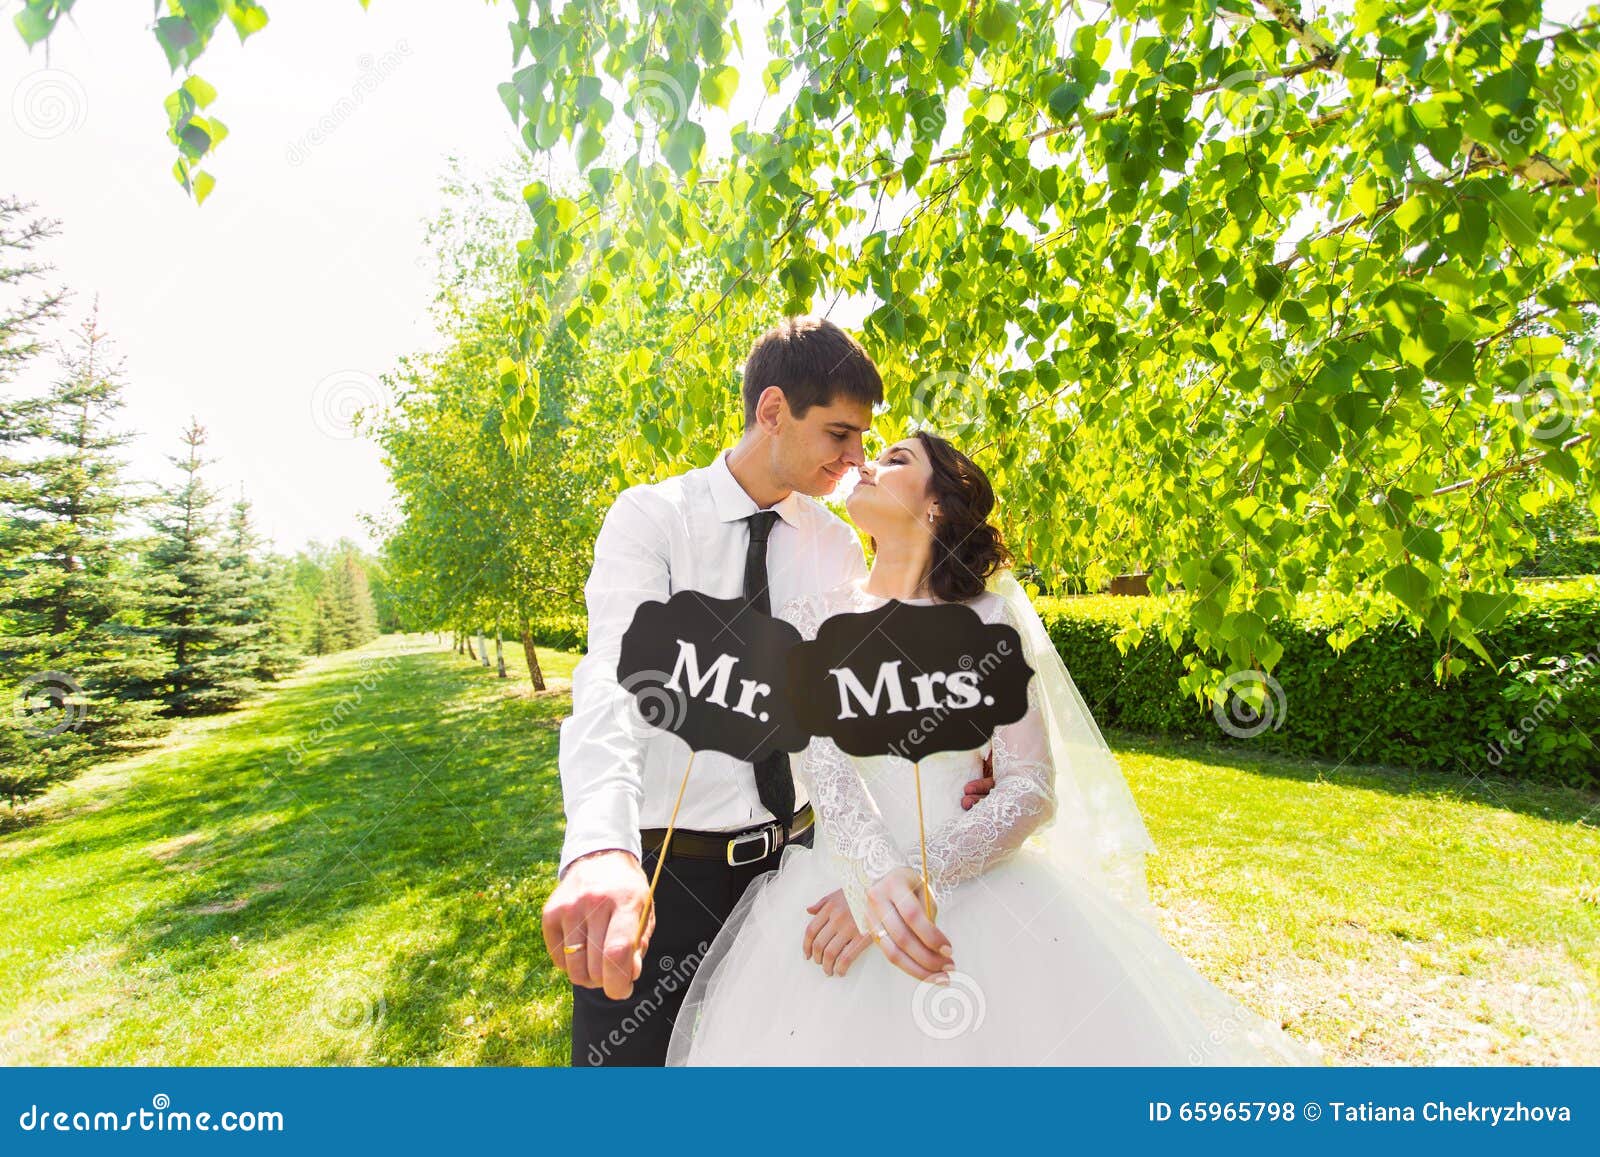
[(832, 938), (900, 924)]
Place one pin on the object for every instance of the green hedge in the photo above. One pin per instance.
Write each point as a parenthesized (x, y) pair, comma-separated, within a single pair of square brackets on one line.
[(1375, 702)]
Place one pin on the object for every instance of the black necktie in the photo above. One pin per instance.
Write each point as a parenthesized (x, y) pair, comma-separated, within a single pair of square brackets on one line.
[(774, 780)]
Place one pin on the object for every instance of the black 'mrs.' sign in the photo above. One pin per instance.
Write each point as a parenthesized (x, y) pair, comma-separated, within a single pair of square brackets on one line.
[(909, 680)]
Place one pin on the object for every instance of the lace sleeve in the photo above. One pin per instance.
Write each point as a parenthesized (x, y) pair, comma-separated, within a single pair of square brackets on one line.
[(854, 829), (1023, 800)]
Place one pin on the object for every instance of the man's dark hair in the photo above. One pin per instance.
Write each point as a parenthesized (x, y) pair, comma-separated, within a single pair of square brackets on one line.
[(812, 361)]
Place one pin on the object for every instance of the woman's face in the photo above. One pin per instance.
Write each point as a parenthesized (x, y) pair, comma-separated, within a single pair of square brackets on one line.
[(892, 494)]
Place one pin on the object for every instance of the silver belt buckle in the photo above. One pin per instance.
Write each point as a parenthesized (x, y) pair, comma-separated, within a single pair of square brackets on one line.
[(764, 836)]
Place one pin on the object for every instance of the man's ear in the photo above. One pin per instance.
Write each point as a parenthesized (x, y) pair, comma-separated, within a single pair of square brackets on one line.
[(772, 408)]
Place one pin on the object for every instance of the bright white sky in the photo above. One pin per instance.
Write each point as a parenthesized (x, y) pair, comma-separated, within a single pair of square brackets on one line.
[(266, 311), (271, 310)]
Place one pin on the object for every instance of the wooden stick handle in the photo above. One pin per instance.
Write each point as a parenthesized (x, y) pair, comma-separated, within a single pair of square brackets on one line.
[(666, 842), (922, 836)]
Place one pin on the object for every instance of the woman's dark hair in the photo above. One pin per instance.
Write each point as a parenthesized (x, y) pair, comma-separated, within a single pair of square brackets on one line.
[(966, 549)]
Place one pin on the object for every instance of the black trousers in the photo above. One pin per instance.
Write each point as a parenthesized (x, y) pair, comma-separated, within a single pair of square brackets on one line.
[(693, 900)]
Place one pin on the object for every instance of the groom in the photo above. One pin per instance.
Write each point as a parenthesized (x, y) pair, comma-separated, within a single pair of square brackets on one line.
[(746, 526)]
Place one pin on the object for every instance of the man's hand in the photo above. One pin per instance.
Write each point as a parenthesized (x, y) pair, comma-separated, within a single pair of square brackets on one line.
[(832, 938), (976, 789), (597, 905), (911, 941)]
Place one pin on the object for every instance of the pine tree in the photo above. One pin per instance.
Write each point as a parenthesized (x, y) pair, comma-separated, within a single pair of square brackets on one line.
[(258, 601), (192, 598), (345, 616), (74, 657)]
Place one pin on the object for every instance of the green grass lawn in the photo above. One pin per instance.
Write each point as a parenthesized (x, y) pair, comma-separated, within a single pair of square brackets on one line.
[(350, 871)]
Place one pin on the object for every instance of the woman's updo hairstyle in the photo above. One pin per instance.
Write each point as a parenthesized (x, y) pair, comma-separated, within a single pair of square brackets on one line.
[(966, 548)]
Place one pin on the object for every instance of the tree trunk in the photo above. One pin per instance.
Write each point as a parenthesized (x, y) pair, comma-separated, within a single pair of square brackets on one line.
[(532, 655), (467, 639), (499, 654)]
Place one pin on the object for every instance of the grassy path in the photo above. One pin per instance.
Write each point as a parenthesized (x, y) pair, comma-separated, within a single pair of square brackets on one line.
[(350, 871)]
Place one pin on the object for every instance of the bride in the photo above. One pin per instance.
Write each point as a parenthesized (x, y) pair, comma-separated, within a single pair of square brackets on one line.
[(1043, 948)]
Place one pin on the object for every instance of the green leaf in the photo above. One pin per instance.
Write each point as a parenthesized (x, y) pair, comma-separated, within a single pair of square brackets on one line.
[(202, 92), (1409, 585), (683, 147), (248, 18), (719, 84), (1064, 101), (34, 24), (1269, 282), (591, 143), (926, 32), (1425, 542), (915, 165), (998, 23), (1562, 464)]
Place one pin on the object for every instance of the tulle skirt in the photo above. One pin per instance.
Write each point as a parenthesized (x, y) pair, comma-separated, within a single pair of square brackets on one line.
[(1049, 969)]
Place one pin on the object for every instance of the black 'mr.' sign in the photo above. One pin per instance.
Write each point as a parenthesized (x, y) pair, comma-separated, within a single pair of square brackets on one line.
[(712, 672), (909, 680)]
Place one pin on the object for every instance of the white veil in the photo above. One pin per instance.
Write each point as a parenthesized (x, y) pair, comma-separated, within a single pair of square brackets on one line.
[(1097, 831)]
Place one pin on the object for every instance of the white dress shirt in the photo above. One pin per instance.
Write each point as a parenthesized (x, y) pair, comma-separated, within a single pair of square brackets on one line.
[(683, 533)]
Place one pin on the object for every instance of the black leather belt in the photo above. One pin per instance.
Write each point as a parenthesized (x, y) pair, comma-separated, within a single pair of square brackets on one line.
[(732, 848)]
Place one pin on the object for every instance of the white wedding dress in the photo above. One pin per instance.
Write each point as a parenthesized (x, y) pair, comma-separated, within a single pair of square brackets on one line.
[(1050, 967)]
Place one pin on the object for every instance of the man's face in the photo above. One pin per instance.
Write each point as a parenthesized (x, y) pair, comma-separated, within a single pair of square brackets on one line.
[(816, 451)]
